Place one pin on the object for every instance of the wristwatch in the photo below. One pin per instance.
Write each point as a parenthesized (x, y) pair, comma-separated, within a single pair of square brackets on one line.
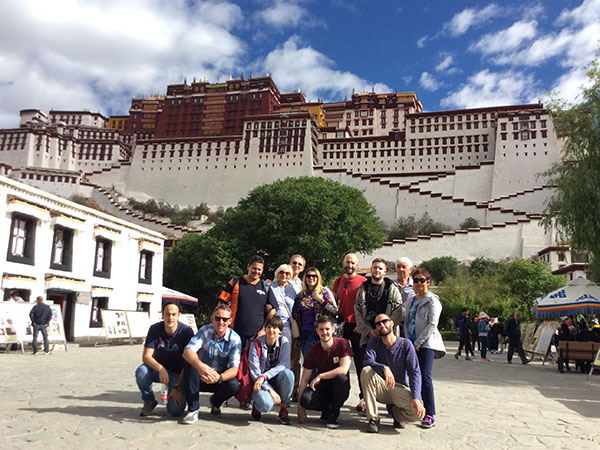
[(177, 388)]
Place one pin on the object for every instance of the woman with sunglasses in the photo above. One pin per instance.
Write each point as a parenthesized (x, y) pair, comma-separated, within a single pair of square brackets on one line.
[(314, 299), (283, 294), (420, 326)]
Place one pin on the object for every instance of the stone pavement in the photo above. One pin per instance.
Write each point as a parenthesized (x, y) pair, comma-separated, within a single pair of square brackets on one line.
[(87, 398)]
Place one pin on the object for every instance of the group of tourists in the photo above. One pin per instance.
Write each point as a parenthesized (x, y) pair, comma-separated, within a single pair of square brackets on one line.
[(260, 331), (490, 334)]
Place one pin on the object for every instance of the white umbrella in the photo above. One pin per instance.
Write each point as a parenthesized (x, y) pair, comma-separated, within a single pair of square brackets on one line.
[(173, 295), (579, 296)]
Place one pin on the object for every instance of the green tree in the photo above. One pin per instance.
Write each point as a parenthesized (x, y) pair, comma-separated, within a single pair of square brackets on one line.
[(576, 177), (442, 267), (318, 218), (469, 222), (410, 226), (484, 266), (528, 281), (200, 265)]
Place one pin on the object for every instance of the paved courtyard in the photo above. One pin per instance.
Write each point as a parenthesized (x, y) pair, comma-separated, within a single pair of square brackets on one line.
[(87, 398)]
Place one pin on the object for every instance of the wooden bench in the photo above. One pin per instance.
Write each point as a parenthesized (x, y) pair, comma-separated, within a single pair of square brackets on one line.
[(567, 350)]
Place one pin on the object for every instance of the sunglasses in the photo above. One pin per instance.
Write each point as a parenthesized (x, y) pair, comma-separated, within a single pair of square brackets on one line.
[(295, 263), (286, 273), (345, 284), (382, 322), (221, 319), (420, 280), (310, 275)]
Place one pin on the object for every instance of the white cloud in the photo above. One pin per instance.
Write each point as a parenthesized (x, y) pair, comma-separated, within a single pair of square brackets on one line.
[(445, 64), (284, 13), (588, 12), (506, 40), (491, 89), (428, 82), (76, 54), (421, 42), (293, 66), (469, 17)]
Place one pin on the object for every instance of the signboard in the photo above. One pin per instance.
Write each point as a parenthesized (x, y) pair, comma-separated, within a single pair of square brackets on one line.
[(527, 333), (115, 324), (544, 340), (8, 327), (139, 322)]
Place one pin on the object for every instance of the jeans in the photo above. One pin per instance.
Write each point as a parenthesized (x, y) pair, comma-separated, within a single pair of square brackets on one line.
[(328, 397), (283, 384), (145, 376), (483, 340), (308, 338), (44, 331), (194, 385), (245, 339), (426, 357), (354, 339)]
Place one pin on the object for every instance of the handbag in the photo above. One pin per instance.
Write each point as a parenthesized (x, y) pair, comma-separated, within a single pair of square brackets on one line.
[(293, 324)]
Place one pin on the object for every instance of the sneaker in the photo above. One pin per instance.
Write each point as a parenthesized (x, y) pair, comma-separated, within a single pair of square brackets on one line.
[(324, 416), (332, 422), (284, 417), (527, 361), (373, 426), (256, 414), (398, 425), (485, 359), (214, 410), (47, 353), (468, 358), (148, 407), (456, 355), (190, 418), (362, 406), (509, 362), (428, 422)]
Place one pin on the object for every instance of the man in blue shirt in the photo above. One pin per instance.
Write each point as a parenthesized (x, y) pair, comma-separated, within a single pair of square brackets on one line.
[(162, 361), (212, 357), (388, 361)]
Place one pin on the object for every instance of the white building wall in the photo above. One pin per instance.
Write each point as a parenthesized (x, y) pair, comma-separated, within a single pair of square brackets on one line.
[(125, 253), (498, 243)]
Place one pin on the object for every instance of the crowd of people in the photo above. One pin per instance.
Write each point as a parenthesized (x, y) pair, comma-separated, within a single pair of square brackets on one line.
[(387, 328)]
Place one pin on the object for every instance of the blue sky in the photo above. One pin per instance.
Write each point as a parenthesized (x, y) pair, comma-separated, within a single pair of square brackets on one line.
[(96, 54)]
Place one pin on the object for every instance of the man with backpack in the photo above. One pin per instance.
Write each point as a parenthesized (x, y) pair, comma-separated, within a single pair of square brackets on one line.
[(377, 295), (213, 358), (249, 302)]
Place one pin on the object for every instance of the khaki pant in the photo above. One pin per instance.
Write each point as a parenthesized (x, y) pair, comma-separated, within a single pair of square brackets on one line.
[(375, 390)]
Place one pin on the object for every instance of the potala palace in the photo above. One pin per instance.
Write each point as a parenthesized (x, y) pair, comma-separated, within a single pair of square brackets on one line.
[(212, 143)]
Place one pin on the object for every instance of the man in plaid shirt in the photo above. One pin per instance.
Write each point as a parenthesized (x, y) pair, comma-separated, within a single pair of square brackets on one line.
[(212, 357)]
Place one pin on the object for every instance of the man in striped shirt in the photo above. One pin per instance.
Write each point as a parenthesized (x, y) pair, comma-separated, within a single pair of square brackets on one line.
[(213, 357), (388, 361)]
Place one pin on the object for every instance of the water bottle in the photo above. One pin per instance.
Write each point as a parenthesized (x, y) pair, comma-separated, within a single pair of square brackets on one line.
[(164, 394)]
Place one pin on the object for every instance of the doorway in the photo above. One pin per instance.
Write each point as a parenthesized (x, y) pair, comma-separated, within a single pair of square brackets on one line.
[(66, 300)]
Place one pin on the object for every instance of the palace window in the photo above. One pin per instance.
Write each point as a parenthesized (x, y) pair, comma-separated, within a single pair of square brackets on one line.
[(21, 246), (62, 249), (102, 260), (98, 304), (145, 269)]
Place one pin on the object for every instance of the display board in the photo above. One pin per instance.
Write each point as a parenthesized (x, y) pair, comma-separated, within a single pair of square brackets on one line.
[(139, 322), (544, 340), (8, 327), (527, 333), (530, 344), (114, 324), (15, 324)]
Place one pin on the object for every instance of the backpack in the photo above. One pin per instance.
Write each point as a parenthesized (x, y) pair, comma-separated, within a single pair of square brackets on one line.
[(244, 394)]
